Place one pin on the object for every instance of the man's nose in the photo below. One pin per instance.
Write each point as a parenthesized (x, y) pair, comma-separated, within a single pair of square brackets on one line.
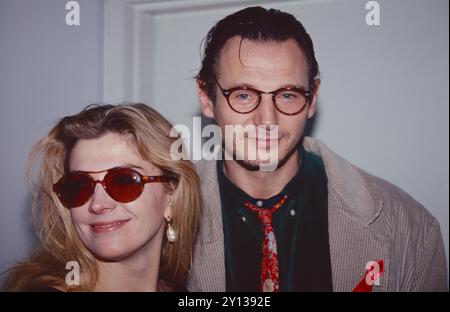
[(101, 202), (266, 113)]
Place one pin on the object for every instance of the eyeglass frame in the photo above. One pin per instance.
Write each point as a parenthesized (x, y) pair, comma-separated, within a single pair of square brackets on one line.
[(227, 92)]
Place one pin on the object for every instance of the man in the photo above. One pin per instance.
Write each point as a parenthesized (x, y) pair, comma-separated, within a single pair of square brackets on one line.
[(316, 222)]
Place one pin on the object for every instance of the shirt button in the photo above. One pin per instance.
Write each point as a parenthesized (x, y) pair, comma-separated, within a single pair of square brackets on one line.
[(292, 212), (244, 218), (259, 203)]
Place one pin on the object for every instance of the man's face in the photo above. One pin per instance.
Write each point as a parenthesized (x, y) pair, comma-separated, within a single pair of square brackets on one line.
[(266, 66)]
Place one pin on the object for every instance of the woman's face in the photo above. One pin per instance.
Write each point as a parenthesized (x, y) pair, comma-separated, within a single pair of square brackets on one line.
[(111, 230)]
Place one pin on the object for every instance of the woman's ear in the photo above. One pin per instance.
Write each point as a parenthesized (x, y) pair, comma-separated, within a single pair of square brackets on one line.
[(171, 233), (168, 211)]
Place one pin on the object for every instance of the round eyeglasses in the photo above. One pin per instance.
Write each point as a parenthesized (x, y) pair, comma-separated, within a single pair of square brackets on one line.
[(289, 101)]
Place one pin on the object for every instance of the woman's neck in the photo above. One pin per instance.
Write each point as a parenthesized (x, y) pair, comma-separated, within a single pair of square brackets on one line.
[(138, 272)]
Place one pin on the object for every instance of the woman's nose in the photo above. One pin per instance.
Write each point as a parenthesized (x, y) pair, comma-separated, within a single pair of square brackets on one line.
[(101, 202)]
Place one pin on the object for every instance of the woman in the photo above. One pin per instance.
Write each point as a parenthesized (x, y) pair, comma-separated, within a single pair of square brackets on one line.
[(114, 211)]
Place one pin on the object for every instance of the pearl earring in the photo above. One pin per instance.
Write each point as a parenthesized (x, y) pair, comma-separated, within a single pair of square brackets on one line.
[(170, 232)]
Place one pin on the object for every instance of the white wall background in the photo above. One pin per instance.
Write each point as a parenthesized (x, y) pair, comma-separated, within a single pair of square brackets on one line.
[(384, 102), (47, 70)]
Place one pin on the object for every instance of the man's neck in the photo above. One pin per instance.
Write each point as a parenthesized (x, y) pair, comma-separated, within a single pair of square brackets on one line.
[(262, 184)]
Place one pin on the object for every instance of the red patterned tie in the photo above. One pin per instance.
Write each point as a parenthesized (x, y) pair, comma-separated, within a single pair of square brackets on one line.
[(269, 264)]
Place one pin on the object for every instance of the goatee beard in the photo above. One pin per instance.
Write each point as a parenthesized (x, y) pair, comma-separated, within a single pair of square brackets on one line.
[(256, 167)]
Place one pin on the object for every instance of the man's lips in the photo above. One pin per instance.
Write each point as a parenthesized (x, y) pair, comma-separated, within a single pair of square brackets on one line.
[(107, 226), (265, 140)]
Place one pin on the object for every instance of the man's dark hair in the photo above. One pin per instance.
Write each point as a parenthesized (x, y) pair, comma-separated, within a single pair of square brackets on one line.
[(257, 24)]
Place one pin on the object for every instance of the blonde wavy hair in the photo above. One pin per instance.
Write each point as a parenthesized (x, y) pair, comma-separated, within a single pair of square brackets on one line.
[(149, 133)]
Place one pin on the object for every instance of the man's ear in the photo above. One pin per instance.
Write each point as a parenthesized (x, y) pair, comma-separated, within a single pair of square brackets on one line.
[(206, 104), (315, 95)]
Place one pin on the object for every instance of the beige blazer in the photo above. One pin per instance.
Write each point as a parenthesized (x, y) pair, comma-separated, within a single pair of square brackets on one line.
[(369, 219)]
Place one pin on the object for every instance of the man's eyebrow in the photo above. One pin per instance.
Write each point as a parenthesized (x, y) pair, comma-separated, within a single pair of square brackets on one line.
[(288, 85), (242, 84), (299, 86)]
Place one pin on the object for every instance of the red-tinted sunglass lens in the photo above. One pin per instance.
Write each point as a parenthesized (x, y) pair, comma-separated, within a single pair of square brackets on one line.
[(74, 189), (123, 185)]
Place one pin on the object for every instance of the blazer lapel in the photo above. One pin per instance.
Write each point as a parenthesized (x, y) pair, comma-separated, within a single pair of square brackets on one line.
[(352, 245), (351, 211)]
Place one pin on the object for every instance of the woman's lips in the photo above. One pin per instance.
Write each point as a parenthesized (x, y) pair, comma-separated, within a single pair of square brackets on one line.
[(101, 227)]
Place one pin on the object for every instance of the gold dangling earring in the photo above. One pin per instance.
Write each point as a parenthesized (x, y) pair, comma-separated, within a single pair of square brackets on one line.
[(170, 232)]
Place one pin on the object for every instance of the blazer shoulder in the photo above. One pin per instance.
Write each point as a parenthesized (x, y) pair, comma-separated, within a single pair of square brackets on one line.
[(204, 166), (417, 244), (398, 205)]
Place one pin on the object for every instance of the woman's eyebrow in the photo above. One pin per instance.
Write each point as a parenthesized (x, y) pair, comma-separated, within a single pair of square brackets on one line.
[(131, 166)]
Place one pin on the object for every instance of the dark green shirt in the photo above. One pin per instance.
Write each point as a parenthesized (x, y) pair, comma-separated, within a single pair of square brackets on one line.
[(300, 226)]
